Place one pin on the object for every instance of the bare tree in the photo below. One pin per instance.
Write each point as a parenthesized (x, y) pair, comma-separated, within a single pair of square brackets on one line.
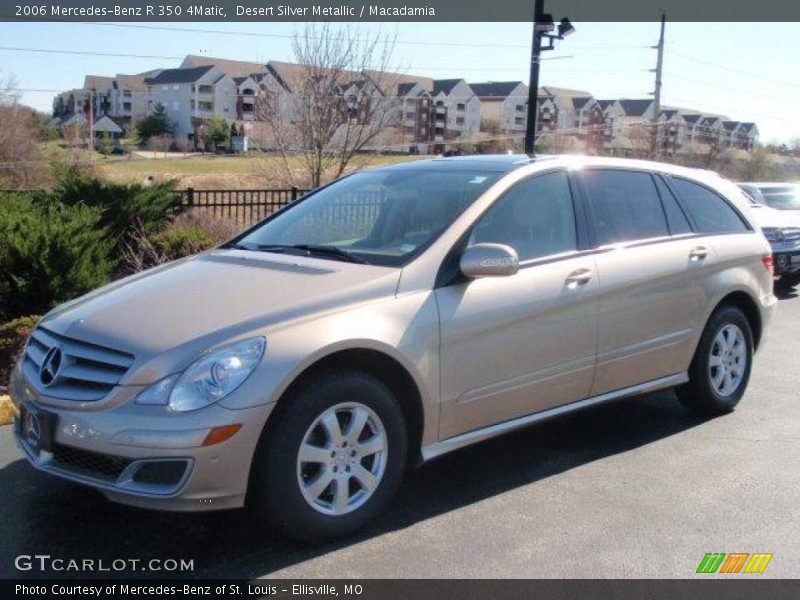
[(21, 163), (333, 103)]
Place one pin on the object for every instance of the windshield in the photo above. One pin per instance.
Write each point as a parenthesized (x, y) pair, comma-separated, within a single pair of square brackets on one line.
[(382, 217), (782, 198)]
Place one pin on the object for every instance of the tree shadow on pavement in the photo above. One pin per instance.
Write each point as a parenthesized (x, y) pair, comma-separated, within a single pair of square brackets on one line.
[(43, 515)]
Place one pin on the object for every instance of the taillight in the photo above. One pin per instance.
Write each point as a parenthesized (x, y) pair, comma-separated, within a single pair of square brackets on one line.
[(769, 264)]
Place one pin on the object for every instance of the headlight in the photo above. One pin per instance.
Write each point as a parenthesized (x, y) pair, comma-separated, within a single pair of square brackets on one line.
[(208, 379)]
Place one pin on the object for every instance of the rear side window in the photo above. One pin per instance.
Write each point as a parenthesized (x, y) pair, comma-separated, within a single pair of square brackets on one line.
[(710, 212), (676, 218), (625, 205)]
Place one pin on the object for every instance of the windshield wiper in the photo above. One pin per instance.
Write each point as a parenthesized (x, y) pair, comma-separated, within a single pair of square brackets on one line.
[(331, 251)]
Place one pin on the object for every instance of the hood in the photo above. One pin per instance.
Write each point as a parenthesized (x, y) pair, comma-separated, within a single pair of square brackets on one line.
[(176, 311), (766, 216)]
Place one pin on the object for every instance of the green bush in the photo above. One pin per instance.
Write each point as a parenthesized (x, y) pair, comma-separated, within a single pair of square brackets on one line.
[(178, 242), (12, 337), (122, 205), (49, 253)]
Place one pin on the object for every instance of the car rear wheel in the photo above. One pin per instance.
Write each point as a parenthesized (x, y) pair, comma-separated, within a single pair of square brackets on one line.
[(333, 458), (720, 369)]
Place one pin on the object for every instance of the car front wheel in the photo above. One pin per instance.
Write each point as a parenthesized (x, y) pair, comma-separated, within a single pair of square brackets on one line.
[(332, 460)]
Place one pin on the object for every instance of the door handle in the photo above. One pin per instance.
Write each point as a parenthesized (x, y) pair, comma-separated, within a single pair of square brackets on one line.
[(697, 254), (578, 278)]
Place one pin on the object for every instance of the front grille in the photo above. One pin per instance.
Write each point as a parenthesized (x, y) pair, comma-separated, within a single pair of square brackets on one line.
[(86, 372), (782, 236), (89, 464)]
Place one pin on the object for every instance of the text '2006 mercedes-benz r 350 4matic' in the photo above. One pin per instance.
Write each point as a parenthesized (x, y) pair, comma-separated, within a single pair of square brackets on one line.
[(394, 315)]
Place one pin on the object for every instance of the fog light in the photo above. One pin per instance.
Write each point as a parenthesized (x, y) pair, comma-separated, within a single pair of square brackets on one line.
[(220, 434)]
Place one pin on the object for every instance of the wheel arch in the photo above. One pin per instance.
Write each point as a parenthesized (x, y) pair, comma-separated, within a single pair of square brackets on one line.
[(748, 305), (378, 364)]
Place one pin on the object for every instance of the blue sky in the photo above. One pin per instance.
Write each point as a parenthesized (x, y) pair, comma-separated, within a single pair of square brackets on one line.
[(747, 71)]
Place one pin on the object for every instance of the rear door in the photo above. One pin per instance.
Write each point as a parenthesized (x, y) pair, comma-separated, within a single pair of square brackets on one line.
[(511, 346), (651, 271)]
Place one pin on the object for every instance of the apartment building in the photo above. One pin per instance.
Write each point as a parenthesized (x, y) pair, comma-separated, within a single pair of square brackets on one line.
[(426, 115), (463, 114), (504, 105), (192, 96), (424, 124)]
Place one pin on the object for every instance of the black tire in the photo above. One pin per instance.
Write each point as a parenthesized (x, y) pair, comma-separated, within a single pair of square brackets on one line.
[(699, 394), (275, 495)]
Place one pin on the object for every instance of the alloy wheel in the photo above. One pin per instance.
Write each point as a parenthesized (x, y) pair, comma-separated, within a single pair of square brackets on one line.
[(342, 458), (728, 360)]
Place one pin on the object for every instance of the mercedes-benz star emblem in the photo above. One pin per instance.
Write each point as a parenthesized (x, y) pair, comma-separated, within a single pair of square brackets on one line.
[(51, 365), (32, 430)]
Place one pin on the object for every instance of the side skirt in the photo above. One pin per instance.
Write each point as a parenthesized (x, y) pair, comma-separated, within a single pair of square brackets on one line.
[(478, 435)]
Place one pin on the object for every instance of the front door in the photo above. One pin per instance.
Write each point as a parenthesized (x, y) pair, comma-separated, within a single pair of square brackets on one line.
[(512, 346)]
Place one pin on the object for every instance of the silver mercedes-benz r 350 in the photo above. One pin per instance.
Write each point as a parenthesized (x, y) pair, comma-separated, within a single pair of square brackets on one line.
[(387, 318)]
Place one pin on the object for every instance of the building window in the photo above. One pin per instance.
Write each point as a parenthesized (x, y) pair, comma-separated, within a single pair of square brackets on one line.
[(460, 121), (176, 87), (164, 88), (519, 107), (461, 106), (175, 105), (519, 121)]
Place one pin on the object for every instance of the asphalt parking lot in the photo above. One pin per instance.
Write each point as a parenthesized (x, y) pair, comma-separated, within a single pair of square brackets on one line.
[(638, 488)]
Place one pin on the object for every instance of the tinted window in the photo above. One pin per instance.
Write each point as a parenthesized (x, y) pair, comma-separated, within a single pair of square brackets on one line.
[(625, 204), (678, 223), (710, 212), (536, 218), (384, 217)]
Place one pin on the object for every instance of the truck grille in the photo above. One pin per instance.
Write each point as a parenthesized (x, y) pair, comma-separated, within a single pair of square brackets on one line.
[(82, 371), (782, 236)]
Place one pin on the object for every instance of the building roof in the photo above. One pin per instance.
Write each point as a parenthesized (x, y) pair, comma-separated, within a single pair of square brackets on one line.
[(669, 113), (179, 75), (494, 89), (134, 83), (604, 104), (730, 125), (444, 86), (635, 108), (105, 125), (547, 90), (708, 121), (747, 126), (404, 88), (231, 68), (691, 118), (98, 82), (578, 102)]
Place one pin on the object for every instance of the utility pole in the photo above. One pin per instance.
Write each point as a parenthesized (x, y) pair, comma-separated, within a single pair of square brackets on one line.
[(91, 120), (533, 80), (657, 92)]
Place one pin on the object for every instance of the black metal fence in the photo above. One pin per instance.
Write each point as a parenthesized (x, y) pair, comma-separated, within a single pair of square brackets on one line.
[(243, 206)]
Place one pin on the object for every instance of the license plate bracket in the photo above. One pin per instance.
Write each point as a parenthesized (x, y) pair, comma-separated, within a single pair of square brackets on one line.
[(37, 428)]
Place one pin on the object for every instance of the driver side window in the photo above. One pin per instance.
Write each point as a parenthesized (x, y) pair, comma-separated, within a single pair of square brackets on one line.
[(536, 218)]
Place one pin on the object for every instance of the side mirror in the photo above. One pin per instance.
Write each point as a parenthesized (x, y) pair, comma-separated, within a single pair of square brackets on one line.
[(489, 260)]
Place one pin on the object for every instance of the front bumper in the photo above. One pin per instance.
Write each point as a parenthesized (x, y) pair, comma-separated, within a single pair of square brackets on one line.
[(142, 455), (786, 260)]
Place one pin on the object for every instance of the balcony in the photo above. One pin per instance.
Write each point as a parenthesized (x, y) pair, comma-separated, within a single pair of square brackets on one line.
[(411, 122)]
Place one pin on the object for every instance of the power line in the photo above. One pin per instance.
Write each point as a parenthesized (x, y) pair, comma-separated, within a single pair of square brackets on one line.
[(292, 36), (88, 53), (733, 70), (150, 56), (729, 89)]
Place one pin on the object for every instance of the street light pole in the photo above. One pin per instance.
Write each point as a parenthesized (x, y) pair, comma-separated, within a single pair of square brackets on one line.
[(533, 81)]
